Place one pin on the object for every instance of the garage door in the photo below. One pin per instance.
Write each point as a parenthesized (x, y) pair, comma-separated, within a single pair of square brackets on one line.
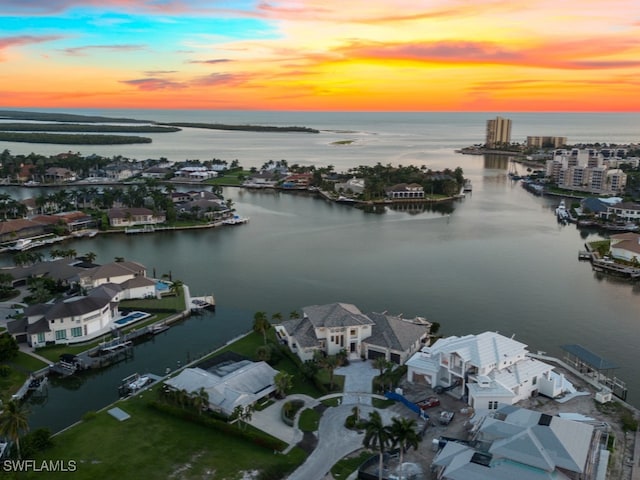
[(373, 354)]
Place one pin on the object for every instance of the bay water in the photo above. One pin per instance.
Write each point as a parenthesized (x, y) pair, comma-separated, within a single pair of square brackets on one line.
[(495, 260)]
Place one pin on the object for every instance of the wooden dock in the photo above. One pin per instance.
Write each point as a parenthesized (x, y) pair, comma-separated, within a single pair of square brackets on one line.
[(610, 267)]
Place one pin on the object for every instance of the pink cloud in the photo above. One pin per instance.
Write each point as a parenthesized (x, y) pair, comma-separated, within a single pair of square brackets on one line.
[(213, 61), (219, 79), (587, 54), (154, 83), (50, 7), (79, 51), (6, 42)]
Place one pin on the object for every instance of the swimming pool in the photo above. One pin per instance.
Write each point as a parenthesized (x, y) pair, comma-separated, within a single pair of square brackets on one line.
[(131, 317)]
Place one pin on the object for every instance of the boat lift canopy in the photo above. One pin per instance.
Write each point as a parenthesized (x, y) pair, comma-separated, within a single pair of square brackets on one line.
[(589, 358)]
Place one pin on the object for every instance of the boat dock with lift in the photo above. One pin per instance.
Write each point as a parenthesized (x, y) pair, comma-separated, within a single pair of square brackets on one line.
[(136, 382)]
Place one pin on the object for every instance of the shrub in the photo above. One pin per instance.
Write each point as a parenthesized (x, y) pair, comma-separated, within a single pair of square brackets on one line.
[(5, 371), (90, 415), (34, 442), (629, 423)]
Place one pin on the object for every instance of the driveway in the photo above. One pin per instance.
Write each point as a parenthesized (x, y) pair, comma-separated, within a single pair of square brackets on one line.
[(358, 376), (334, 441)]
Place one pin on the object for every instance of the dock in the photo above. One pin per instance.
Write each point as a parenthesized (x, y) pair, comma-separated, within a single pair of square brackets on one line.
[(35, 382), (610, 267), (199, 303), (136, 382)]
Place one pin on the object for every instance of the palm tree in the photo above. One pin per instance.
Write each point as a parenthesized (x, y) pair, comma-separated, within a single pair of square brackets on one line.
[(381, 364), (201, 400), (176, 287), (377, 435), (283, 382), (294, 314), (261, 325), (331, 362), (403, 432), (13, 422), (90, 257)]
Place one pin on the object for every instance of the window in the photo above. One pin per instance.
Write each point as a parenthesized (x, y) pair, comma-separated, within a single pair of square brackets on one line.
[(534, 380), (493, 405), (61, 334), (76, 332), (353, 332), (41, 337)]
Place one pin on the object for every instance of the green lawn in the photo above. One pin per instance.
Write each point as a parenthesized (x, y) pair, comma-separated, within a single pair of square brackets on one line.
[(157, 445), (11, 383), (309, 420), (21, 366), (169, 302), (26, 362), (229, 178), (343, 468)]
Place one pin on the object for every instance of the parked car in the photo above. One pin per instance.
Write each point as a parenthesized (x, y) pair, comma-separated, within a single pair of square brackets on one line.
[(429, 402)]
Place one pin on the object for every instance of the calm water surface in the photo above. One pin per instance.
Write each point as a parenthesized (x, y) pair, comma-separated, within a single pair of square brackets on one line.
[(496, 260)]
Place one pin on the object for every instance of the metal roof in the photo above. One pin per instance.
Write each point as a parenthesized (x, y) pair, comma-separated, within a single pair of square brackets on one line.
[(588, 357)]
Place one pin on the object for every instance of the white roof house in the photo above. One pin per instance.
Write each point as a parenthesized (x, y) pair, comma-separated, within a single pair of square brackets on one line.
[(228, 386), (489, 368), (522, 444)]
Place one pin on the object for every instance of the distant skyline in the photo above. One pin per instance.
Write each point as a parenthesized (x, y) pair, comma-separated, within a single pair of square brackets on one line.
[(357, 55)]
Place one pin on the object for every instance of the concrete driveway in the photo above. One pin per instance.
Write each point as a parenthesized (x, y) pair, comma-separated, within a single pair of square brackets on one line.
[(358, 376), (334, 441)]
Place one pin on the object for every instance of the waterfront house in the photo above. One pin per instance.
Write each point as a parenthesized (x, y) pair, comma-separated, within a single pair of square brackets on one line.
[(178, 197), (526, 445), (338, 327), (622, 211), (70, 221), (262, 179), (229, 384), (118, 171), (11, 230), (58, 174), (353, 185), (114, 272), (488, 370), (157, 172), (297, 180), (196, 173), (404, 191), (625, 246), (128, 217), (74, 319)]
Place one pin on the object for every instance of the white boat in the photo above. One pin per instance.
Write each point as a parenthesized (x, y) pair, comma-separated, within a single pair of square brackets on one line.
[(22, 244), (562, 213), (467, 186), (235, 220)]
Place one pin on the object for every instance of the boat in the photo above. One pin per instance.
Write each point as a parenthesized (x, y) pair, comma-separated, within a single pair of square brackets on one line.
[(467, 186), (134, 383), (156, 329), (562, 213), (22, 244), (235, 220)]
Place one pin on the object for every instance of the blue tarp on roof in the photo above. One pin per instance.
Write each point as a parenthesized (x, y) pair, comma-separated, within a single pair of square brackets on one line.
[(590, 358)]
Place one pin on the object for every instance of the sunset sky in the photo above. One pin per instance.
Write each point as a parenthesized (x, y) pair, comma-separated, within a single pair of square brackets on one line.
[(362, 55)]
